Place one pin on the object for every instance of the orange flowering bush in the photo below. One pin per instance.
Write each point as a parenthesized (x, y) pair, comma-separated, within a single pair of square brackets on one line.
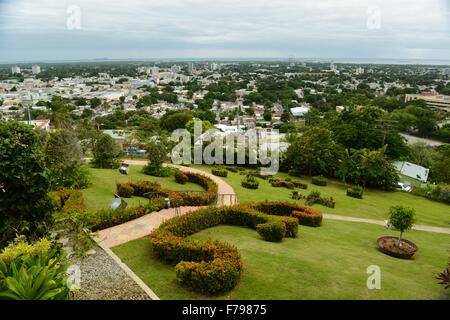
[(213, 266)]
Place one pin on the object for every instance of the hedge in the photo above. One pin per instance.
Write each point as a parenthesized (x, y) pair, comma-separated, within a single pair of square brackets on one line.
[(220, 172), (319, 181), (212, 266), (180, 177)]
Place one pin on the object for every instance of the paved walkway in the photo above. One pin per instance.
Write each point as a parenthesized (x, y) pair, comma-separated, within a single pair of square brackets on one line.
[(145, 225), (383, 223)]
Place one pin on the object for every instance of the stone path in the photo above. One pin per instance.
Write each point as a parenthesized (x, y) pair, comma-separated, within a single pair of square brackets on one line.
[(144, 226)]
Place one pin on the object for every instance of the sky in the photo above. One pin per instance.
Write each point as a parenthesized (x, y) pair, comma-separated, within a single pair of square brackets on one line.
[(44, 30)]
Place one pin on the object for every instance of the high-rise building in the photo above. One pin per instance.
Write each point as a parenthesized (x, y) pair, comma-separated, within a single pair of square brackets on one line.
[(155, 71), (190, 67), (36, 69), (446, 72), (15, 69), (332, 67), (214, 66)]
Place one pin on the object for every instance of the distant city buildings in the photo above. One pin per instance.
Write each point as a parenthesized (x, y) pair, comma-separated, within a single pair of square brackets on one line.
[(15, 69), (432, 100), (36, 69)]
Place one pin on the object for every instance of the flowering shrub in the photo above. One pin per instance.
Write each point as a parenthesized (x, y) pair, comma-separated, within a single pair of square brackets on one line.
[(180, 177), (68, 201), (125, 190), (305, 215), (272, 231), (220, 172), (213, 266)]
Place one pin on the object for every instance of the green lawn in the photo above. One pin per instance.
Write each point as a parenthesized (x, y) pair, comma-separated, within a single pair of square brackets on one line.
[(374, 205), (100, 194), (329, 262)]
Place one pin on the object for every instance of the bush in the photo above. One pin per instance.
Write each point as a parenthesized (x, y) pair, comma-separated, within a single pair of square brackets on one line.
[(124, 190), (272, 231), (25, 182), (106, 153), (220, 172), (157, 170), (296, 195), (300, 185), (232, 169), (75, 175), (319, 181), (355, 192), (180, 177), (212, 266), (39, 277), (314, 197), (277, 183), (250, 182), (402, 218), (21, 247), (312, 218)]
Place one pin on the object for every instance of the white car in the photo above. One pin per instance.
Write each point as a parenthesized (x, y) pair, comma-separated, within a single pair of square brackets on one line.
[(403, 187)]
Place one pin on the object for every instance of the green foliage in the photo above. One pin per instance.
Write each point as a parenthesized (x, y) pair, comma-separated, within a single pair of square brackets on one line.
[(157, 170), (441, 164), (355, 192), (272, 231), (250, 182), (220, 172), (319, 180), (401, 217), (180, 177), (106, 153), (368, 168), (35, 277), (21, 247), (25, 207)]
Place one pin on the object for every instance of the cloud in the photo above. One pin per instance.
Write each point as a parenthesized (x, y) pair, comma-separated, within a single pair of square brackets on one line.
[(36, 29)]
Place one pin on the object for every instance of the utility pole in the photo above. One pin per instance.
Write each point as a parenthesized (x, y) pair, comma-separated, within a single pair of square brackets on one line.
[(385, 125)]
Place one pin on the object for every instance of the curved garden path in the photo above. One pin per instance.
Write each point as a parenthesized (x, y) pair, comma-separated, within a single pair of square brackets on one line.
[(144, 226)]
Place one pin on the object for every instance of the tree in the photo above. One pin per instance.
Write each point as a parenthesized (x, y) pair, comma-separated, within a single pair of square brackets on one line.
[(106, 153), (62, 154), (267, 115), (95, 102), (440, 167), (176, 121), (402, 218), (25, 207), (285, 116), (368, 168), (314, 152)]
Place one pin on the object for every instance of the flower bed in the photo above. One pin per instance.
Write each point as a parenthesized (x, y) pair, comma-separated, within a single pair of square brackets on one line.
[(68, 201), (212, 266), (388, 245), (138, 189)]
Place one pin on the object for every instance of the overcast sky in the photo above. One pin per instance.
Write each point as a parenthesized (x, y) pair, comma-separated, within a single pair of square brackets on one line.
[(43, 30)]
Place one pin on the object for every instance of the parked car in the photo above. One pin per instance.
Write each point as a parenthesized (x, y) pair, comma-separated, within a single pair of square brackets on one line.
[(403, 187), (134, 150)]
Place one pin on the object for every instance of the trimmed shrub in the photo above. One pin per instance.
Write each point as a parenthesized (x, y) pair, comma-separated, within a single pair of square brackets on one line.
[(220, 172), (250, 182), (212, 266), (299, 184), (124, 190), (296, 195), (282, 183), (157, 170), (355, 192), (272, 231), (312, 218), (314, 197), (180, 177), (319, 181)]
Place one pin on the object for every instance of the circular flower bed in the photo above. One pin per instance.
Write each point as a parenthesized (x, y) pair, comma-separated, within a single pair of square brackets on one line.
[(212, 266), (388, 245)]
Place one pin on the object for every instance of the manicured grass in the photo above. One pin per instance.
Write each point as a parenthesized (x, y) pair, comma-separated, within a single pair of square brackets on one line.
[(100, 194), (329, 262), (374, 205)]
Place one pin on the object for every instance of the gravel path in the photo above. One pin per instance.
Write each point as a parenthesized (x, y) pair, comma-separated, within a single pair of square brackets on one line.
[(103, 279)]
